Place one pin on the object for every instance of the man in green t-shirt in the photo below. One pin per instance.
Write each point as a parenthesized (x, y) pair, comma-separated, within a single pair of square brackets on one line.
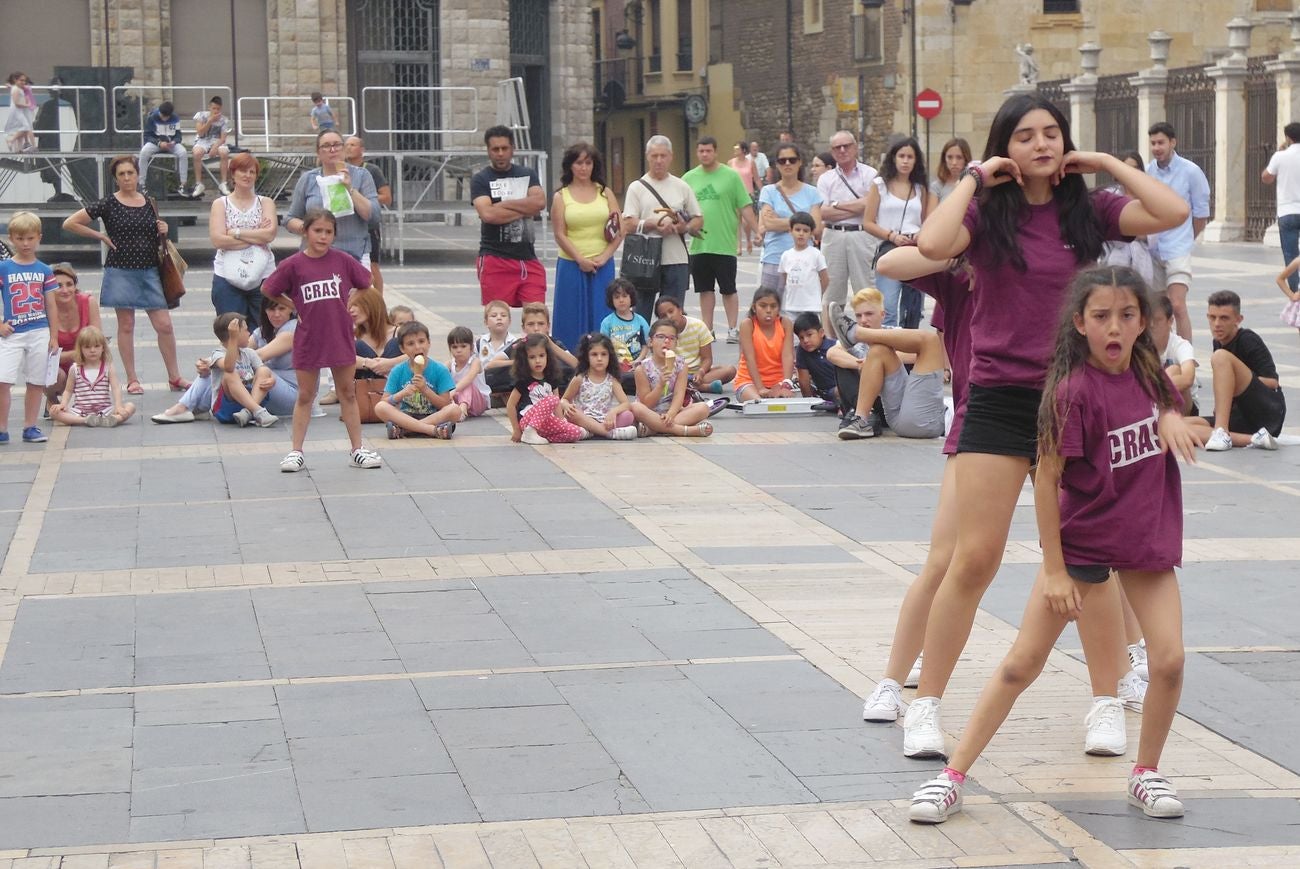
[(724, 202)]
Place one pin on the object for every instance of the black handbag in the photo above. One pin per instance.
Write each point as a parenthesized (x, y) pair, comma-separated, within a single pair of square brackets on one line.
[(642, 255)]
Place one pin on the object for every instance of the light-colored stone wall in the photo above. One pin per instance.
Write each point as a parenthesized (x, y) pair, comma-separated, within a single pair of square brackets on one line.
[(572, 84), (475, 53), (307, 46), (971, 60), (141, 38)]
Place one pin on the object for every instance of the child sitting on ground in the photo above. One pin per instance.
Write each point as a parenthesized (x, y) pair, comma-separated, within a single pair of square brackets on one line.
[(913, 402), (400, 315), (240, 380), (492, 348), (471, 389), (418, 395), (695, 347), (533, 407), (594, 399), (766, 368), (625, 326), (93, 396), (662, 405), (816, 374)]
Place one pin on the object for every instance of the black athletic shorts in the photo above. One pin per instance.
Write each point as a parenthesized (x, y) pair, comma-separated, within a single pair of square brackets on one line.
[(1093, 573), (1001, 421), (376, 246), (708, 269), (1257, 407)]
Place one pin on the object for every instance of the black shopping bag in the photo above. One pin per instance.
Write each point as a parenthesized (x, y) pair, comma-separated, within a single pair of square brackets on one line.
[(642, 255)]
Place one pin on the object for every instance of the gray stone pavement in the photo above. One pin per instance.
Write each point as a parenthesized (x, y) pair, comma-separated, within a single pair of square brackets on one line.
[(496, 633)]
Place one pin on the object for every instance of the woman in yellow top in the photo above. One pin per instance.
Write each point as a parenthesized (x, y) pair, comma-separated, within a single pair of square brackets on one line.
[(580, 210)]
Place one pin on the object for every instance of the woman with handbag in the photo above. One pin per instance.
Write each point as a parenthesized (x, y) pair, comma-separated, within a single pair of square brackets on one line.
[(132, 231), (779, 202), (377, 349), (581, 213), (241, 227), (898, 200)]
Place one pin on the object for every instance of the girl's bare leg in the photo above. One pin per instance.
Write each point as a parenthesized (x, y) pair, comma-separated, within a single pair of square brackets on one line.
[(1159, 609), (345, 387), (987, 489), (308, 381)]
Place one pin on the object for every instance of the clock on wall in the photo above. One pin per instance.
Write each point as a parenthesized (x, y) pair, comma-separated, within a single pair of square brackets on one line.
[(696, 108)]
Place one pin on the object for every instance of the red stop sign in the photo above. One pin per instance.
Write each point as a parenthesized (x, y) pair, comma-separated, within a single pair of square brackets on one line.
[(929, 104)]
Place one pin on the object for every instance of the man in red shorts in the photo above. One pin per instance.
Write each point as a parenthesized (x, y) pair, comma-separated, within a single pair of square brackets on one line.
[(507, 198)]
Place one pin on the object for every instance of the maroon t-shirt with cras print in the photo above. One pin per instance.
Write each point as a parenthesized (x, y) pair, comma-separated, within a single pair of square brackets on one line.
[(320, 287), (1013, 321), (1121, 498)]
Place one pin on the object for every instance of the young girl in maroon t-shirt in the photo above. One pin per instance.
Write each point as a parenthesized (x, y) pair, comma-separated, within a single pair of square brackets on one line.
[(320, 279), (1103, 465), (1026, 223)]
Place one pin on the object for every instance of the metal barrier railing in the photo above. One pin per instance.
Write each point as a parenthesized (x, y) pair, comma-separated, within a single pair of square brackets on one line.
[(150, 96), (256, 111), (387, 94), (62, 92)]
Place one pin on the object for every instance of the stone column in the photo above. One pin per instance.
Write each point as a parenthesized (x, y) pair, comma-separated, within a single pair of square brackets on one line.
[(475, 53), (1151, 84), (1082, 90), (1229, 75), (307, 50), (141, 39), (572, 83), (1287, 71)]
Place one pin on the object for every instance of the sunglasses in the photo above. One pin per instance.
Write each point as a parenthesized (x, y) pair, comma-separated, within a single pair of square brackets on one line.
[(787, 161)]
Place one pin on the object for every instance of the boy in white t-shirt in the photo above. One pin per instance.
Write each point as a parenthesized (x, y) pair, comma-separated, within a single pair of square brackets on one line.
[(1178, 355), (803, 269)]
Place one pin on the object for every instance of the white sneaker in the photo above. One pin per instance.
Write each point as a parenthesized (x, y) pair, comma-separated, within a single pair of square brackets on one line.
[(1132, 691), (364, 458), (1137, 659), (935, 801), (1155, 795), (921, 734), (203, 414), (197, 191), (733, 335), (224, 188), (265, 418), (1219, 441), (242, 417), (885, 703), (530, 436), (1105, 722), (167, 419), (914, 675), (1262, 440), (623, 433), (293, 462)]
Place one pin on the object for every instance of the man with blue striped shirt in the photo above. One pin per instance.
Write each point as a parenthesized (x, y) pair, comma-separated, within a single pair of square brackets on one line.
[(1171, 250)]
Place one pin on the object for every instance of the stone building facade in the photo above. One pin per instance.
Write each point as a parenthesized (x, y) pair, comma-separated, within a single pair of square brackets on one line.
[(289, 48), (843, 61)]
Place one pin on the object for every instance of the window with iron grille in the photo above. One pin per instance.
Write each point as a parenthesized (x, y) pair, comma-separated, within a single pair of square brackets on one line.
[(1056, 7), (685, 59)]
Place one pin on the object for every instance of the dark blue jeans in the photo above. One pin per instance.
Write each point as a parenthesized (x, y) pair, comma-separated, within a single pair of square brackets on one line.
[(1288, 228)]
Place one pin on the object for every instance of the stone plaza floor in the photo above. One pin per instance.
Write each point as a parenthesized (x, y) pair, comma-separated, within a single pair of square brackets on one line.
[(643, 654)]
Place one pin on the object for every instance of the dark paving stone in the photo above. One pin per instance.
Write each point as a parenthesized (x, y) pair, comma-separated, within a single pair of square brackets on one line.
[(396, 801), (508, 690), (51, 821), (1210, 822), (213, 800), (728, 767)]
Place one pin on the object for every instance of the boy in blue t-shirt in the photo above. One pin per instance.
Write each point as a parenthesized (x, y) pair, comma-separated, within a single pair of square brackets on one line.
[(816, 373), (625, 326), (25, 338), (322, 116), (418, 396)]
